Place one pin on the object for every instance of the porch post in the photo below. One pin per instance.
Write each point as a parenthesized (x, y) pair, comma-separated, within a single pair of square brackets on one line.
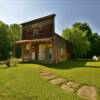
[(22, 51), (14, 50), (30, 51), (53, 47)]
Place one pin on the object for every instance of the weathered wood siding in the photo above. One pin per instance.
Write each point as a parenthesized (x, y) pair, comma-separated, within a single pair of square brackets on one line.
[(45, 29), (53, 50), (60, 49)]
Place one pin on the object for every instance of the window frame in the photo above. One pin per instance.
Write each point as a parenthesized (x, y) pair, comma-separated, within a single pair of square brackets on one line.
[(35, 33)]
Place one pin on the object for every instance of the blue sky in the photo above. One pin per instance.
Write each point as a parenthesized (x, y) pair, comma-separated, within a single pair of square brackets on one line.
[(67, 12)]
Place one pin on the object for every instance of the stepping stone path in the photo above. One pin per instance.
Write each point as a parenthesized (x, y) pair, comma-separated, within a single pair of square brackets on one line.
[(67, 88), (57, 81), (83, 91), (49, 77), (70, 86), (45, 73), (87, 91), (73, 84)]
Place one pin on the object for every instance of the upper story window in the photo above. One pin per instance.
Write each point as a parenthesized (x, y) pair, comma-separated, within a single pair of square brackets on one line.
[(35, 33)]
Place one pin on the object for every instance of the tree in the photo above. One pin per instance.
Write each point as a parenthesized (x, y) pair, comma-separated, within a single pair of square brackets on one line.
[(15, 35), (8, 35), (15, 32), (92, 37), (84, 27), (4, 41), (78, 39), (95, 46)]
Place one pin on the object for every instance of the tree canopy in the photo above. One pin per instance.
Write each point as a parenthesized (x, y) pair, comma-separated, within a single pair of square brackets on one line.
[(83, 40), (84, 27), (79, 41), (15, 32), (8, 34)]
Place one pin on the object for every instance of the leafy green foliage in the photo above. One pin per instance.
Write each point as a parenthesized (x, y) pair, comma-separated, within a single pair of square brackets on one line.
[(15, 35), (4, 40), (92, 40), (79, 41), (8, 35), (15, 32), (84, 27), (96, 47)]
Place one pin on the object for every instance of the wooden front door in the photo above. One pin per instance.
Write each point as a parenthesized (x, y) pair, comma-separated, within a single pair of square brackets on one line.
[(33, 52), (41, 55)]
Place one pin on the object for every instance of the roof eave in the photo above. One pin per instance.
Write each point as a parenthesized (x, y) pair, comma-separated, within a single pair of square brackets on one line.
[(39, 19)]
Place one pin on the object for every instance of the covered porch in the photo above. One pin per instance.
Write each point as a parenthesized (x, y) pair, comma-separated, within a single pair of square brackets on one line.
[(35, 50)]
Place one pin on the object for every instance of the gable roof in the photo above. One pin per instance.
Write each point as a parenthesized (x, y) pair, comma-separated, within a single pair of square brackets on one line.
[(39, 19), (60, 37)]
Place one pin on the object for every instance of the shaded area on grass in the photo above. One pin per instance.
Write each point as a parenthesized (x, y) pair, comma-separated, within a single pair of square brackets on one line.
[(74, 64)]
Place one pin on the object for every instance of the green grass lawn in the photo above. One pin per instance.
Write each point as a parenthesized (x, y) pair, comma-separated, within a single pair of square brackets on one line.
[(81, 71), (84, 72), (24, 82)]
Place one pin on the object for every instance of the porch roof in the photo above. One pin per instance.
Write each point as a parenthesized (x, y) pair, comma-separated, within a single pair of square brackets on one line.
[(33, 41)]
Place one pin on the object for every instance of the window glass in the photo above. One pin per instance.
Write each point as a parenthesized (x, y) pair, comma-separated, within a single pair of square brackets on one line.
[(35, 33)]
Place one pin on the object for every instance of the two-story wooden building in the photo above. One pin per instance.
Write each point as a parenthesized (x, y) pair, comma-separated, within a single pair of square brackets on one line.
[(41, 43)]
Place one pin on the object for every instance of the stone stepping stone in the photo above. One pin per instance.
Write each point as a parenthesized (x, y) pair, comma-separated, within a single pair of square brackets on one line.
[(88, 92), (45, 73), (66, 88), (57, 81), (73, 84), (70, 86), (49, 77)]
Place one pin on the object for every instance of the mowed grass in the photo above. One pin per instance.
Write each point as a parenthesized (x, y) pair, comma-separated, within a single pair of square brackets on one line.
[(24, 82), (81, 71), (84, 72)]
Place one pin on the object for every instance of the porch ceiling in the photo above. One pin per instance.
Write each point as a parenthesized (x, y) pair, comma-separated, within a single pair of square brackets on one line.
[(33, 41)]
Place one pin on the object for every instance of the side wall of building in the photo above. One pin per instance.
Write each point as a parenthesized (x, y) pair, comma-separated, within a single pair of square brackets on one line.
[(60, 49)]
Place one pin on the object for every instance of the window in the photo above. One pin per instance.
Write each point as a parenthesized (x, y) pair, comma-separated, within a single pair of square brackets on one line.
[(62, 51), (27, 47), (35, 33), (50, 53)]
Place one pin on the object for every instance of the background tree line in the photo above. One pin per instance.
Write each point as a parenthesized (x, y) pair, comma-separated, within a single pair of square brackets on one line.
[(8, 35), (85, 43)]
